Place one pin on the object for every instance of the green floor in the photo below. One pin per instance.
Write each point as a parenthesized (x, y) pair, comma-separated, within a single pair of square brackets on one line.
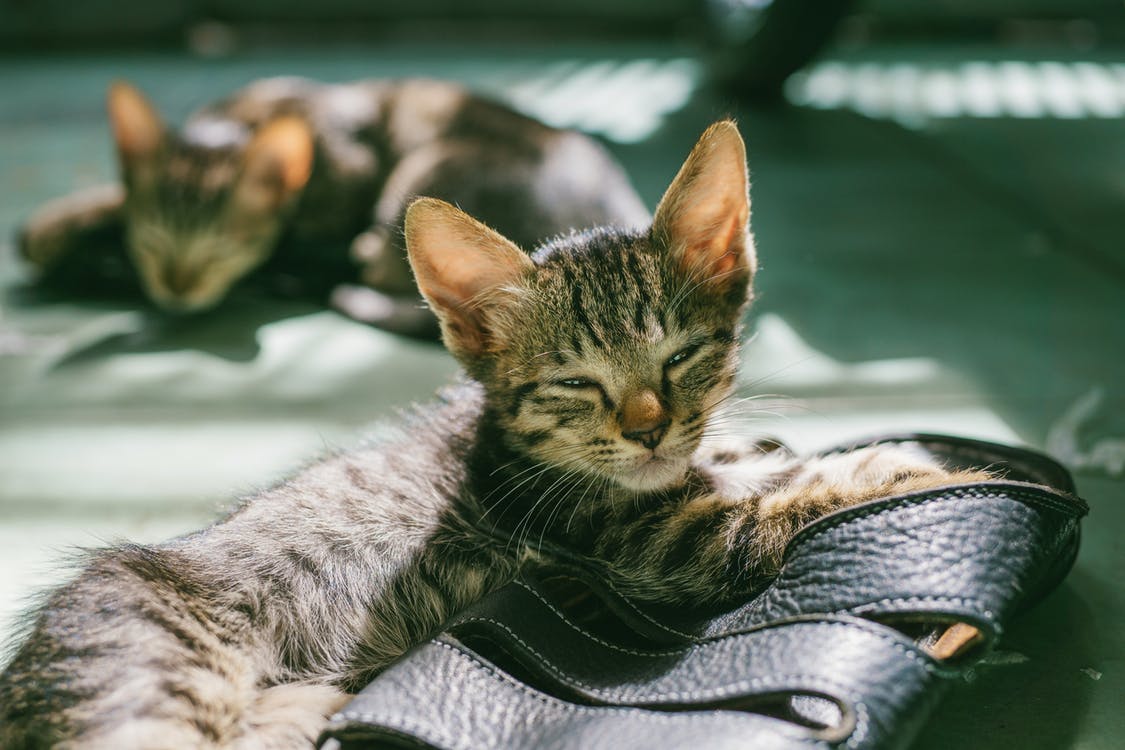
[(935, 272)]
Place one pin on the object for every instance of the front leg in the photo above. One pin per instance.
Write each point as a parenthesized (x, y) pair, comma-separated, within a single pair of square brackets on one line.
[(64, 225), (824, 484), (719, 545)]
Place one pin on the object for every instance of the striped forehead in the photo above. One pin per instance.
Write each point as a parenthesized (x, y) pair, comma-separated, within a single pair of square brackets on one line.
[(611, 301), (195, 178)]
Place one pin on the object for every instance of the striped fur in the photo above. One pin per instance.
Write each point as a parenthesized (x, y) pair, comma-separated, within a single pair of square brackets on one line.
[(248, 633)]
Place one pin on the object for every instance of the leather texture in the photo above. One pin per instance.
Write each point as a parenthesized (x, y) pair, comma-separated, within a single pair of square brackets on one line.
[(825, 656)]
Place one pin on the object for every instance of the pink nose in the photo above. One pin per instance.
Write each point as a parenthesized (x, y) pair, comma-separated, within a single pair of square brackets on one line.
[(179, 280), (649, 439), (643, 418)]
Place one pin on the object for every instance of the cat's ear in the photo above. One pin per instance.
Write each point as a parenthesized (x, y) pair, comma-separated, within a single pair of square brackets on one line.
[(276, 164), (466, 271), (137, 127), (703, 218)]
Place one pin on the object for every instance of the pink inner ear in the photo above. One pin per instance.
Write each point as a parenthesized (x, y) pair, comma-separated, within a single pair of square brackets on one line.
[(282, 152), (292, 147), (454, 283), (717, 249), (728, 242), (465, 277), (458, 262), (446, 284), (136, 126), (703, 216), (278, 163)]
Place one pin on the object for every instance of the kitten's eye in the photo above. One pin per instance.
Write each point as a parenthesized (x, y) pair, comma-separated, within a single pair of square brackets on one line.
[(577, 383), (681, 355)]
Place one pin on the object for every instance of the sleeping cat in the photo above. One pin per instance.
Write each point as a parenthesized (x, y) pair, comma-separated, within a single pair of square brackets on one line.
[(288, 173), (595, 369)]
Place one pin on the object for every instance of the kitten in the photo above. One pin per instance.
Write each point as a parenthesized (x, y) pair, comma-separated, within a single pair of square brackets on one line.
[(596, 366), (288, 173)]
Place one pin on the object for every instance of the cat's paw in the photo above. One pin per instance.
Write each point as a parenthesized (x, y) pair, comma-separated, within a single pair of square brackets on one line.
[(288, 717), (41, 246), (743, 467), (881, 470), (405, 315), (897, 468), (838, 480), (383, 263), (733, 451), (58, 225)]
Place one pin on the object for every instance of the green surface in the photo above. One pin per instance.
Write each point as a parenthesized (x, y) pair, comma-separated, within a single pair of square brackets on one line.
[(957, 276)]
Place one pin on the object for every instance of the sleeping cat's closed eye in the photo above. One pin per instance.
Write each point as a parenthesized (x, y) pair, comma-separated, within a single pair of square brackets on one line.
[(681, 356), (577, 383)]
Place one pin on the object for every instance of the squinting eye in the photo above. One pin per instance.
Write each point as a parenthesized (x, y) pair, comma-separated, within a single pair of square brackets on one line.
[(577, 383), (681, 355)]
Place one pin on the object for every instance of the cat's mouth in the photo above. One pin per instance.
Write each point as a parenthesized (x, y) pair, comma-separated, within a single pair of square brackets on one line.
[(654, 472)]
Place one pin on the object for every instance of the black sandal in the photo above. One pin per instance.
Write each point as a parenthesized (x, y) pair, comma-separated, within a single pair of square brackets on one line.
[(877, 609)]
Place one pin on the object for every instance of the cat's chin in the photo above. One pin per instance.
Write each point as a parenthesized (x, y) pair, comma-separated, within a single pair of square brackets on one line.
[(654, 475)]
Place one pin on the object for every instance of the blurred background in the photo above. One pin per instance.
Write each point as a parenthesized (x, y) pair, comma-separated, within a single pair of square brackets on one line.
[(938, 199)]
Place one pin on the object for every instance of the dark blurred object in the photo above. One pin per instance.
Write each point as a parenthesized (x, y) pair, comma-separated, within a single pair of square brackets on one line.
[(31, 25), (26, 25), (994, 19), (757, 44), (753, 44)]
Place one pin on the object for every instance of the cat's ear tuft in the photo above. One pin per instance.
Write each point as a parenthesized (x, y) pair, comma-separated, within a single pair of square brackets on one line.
[(137, 128), (467, 272), (703, 218), (277, 163)]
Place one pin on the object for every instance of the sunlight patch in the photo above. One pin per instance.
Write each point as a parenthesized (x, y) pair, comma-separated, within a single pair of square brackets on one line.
[(623, 101), (914, 94)]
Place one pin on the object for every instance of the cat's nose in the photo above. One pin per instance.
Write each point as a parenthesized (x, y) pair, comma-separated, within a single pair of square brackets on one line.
[(179, 280), (649, 439), (643, 418)]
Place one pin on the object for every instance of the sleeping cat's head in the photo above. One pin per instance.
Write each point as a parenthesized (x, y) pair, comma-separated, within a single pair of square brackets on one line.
[(605, 352), (204, 206)]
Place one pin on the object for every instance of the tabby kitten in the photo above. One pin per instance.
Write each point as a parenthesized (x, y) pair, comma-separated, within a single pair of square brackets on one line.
[(289, 173), (596, 367)]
